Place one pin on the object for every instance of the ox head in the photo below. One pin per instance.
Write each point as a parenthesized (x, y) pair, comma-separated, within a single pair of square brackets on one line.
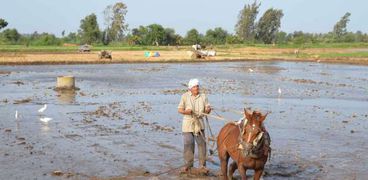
[(252, 131)]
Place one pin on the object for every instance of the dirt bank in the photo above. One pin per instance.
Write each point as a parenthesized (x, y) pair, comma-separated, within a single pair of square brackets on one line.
[(223, 55)]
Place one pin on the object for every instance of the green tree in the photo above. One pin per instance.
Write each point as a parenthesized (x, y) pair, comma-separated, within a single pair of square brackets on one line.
[(139, 36), (299, 38), (245, 27), (115, 21), (89, 30), (11, 36), (170, 37), (281, 38), (233, 39), (216, 36), (360, 37), (133, 39), (192, 37), (72, 38), (349, 37), (3, 23), (155, 34), (339, 29), (269, 25), (45, 39), (105, 38)]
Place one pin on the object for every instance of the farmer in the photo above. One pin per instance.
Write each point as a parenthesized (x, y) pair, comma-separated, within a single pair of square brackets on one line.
[(192, 105)]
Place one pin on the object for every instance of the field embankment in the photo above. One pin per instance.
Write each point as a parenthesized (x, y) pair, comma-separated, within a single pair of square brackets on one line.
[(21, 55)]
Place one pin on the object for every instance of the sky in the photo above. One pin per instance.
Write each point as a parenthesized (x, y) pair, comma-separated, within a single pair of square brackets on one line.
[(54, 16)]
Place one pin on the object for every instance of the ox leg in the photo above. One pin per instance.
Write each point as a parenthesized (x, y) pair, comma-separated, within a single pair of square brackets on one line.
[(258, 174), (224, 159), (242, 171), (233, 167)]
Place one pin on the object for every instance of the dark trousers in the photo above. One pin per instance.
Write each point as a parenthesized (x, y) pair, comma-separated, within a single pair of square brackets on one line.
[(189, 146)]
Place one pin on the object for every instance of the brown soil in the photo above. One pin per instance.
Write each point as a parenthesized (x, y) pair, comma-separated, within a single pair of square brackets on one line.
[(22, 101), (234, 54)]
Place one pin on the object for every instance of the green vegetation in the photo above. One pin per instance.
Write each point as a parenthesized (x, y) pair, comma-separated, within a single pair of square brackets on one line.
[(269, 25), (192, 37), (115, 35), (115, 23), (119, 46), (350, 55), (296, 46), (246, 27), (153, 34), (10, 36), (3, 23), (339, 30), (68, 49), (89, 30)]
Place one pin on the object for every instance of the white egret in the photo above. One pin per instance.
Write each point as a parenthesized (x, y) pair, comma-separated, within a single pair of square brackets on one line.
[(279, 91), (250, 70), (16, 114), (42, 109)]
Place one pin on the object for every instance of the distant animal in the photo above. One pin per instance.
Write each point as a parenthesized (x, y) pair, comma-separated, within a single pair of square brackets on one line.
[(250, 70), (247, 144), (211, 53), (85, 48), (43, 108), (105, 55), (296, 52)]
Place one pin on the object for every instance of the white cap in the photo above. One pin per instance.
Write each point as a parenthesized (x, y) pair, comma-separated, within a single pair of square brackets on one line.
[(192, 83)]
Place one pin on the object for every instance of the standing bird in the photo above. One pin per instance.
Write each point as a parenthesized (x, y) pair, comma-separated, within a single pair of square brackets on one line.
[(250, 70), (42, 109), (279, 90), (16, 114)]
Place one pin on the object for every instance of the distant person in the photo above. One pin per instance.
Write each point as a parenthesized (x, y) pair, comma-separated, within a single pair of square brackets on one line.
[(192, 105)]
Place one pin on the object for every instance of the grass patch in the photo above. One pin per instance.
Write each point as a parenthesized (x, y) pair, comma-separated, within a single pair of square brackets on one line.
[(119, 47), (352, 54), (22, 48), (296, 46)]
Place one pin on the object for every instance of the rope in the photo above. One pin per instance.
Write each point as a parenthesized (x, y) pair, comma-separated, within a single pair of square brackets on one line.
[(218, 117), (211, 151), (229, 110)]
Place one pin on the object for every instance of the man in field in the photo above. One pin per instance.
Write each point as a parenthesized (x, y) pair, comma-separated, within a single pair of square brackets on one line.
[(192, 105)]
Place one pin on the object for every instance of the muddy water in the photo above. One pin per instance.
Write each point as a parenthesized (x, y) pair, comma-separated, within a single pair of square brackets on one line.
[(123, 122)]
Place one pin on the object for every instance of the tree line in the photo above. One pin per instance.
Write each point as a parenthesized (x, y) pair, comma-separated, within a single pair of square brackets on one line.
[(247, 31)]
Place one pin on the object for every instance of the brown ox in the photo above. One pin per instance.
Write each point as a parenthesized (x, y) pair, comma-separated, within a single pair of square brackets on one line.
[(247, 144)]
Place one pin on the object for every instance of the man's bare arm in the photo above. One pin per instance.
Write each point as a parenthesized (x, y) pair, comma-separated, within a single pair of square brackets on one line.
[(185, 112), (207, 109)]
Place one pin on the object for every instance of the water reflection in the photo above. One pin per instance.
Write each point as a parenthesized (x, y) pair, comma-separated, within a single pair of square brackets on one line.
[(45, 128), (66, 96), (255, 68)]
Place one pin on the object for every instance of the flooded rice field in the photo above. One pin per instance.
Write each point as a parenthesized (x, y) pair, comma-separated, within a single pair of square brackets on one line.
[(123, 122)]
